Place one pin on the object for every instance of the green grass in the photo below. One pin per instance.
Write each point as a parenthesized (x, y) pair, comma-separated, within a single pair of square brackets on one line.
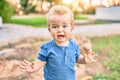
[(42, 21), (101, 22), (38, 21), (35, 21), (109, 46)]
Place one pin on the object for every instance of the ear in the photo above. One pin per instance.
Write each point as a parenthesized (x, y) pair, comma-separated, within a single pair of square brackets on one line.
[(49, 29), (72, 25)]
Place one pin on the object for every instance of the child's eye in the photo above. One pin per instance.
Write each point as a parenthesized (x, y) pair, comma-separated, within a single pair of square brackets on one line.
[(54, 26), (65, 26)]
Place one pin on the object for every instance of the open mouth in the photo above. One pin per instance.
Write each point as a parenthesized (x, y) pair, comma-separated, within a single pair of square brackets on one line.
[(61, 36)]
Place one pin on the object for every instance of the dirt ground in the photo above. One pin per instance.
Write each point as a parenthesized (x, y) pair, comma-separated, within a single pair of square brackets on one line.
[(13, 54)]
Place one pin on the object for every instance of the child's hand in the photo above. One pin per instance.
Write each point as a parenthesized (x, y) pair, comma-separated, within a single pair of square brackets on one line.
[(30, 67), (89, 57), (26, 66)]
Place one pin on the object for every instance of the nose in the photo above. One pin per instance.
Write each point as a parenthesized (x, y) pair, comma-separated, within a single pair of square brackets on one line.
[(60, 29)]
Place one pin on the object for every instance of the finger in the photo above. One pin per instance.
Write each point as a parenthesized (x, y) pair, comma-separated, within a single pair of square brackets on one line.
[(29, 69), (23, 70), (87, 56), (94, 60), (95, 55), (84, 55), (27, 62), (23, 63), (22, 67), (90, 52)]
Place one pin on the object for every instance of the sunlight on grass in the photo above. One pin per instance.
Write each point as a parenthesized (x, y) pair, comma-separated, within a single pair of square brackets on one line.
[(41, 21), (101, 22), (35, 22)]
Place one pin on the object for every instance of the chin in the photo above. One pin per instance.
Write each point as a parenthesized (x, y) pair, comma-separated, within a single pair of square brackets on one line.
[(61, 40)]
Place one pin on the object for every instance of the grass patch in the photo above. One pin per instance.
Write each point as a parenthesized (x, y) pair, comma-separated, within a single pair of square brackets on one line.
[(101, 22), (42, 21), (109, 46), (35, 21), (39, 21)]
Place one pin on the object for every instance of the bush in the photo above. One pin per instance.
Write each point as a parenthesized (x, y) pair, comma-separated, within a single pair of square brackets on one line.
[(90, 10), (78, 16), (6, 10), (26, 7)]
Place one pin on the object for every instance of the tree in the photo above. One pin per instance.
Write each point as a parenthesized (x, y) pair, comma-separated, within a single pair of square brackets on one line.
[(24, 4), (6, 10)]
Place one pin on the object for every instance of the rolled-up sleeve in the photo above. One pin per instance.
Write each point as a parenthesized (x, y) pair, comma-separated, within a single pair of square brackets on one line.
[(43, 53), (77, 52)]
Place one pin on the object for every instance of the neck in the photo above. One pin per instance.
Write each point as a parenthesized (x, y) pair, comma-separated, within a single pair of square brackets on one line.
[(66, 43)]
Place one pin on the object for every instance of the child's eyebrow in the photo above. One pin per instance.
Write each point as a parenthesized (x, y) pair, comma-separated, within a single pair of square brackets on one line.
[(54, 24), (65, 23)]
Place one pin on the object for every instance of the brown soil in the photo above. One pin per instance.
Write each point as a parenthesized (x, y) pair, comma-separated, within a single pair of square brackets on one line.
[(13, 54)]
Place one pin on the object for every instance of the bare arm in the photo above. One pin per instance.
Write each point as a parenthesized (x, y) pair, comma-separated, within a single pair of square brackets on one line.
[(30, 67), (81, 60)]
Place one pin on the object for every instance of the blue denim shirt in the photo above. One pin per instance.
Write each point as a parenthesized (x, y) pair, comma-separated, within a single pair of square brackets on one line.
[(60, 60)]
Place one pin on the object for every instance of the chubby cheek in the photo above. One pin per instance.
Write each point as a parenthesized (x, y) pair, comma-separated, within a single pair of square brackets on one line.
[(53, 34), (68, 32), (68, 35)]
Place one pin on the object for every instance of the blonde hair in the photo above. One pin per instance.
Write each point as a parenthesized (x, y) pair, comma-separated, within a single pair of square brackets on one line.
[(60, 10)]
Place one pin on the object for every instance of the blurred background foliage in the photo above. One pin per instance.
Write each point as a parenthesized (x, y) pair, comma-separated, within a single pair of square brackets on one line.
[(23, 7), (6, 10)]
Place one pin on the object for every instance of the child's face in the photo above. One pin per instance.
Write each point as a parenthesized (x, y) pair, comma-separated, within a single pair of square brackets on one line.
[(60, 28)]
